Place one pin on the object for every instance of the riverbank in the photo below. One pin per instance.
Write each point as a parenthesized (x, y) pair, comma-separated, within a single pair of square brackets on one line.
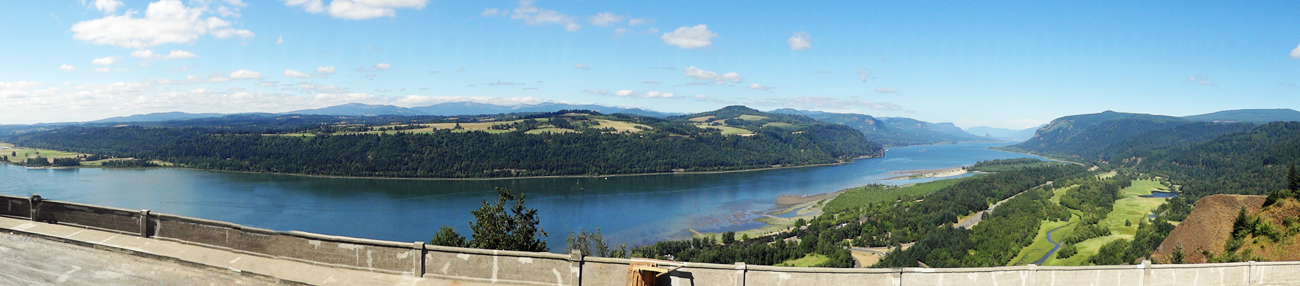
[(781, 218), (935, 173)]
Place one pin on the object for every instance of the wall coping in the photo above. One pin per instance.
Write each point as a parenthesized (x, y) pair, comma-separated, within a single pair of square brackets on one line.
[(607, 260)]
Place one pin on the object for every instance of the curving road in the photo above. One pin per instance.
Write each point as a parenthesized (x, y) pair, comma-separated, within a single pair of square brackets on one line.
[(1049, 239)]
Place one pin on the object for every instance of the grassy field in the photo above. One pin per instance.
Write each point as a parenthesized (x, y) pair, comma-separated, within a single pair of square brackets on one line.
[(877, 193), (751, 117), (778, 124), (807, 261), (1132, 207), (1087, 249), (550, 130), (702, 118), (1004, 168), (20, 153), (1041, 246), (620, 126), (726, 130)]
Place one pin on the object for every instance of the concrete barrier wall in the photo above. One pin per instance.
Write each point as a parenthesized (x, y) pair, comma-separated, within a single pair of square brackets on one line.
[(534, 268), (15, 206), (97, 217), (365, 254), (501, 266)]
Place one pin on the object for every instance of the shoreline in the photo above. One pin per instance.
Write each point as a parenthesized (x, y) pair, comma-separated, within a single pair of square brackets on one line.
[(472, 179), (932, 173)]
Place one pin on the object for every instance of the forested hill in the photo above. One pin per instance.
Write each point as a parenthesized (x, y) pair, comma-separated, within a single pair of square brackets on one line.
[(545, 144), (1088, 135), (1202, 157), (896, 131)]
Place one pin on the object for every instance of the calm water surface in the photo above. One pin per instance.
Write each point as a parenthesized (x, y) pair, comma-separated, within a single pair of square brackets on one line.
[(632, 209)]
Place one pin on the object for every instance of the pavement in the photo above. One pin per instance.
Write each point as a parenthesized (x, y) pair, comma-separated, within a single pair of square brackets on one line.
[(37, 253)]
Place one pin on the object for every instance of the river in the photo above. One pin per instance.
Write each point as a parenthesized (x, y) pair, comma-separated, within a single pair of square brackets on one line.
[(628, 209)]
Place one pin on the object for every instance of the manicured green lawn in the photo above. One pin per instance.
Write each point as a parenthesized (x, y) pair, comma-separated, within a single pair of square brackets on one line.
[(807, 261)]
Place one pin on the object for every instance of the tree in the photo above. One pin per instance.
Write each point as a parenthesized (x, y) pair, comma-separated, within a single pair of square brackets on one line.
[(495, 227), (728, 237), (1293, 179), (594, 244), (447, 236), (1177, 256)]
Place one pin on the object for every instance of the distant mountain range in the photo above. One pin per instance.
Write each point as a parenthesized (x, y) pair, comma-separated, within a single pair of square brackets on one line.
[(1003, 133), (163, 116), (1096, 135), (1248, 115), (895, 131), (469, 108)]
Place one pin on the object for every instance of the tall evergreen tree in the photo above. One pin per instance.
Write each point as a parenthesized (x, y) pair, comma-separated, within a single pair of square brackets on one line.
[(1293, 179)]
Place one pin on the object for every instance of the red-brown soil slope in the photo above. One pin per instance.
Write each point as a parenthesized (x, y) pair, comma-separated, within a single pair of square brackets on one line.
[(1208, 227)]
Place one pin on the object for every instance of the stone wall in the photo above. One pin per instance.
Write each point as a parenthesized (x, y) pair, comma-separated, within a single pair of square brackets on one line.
[(535, 268)]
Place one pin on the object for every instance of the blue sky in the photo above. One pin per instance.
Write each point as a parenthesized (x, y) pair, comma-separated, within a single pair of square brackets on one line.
[(999, 64)]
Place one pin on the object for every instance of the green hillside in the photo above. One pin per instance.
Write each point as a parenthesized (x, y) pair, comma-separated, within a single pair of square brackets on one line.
[(570, 142)]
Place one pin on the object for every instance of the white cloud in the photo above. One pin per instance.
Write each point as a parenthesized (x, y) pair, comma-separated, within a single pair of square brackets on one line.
[(656, 94), (67, 68), (630, 93), (164, 22), (759, 87), (825, 103), (490, 12), (279, 40), (380, 66), (637, 22), (715, 78), (294, 73), (106, 60), (324, 71), (245, 74), (1295, 54), (582, 67), (800, 41), (605, 19), (538, 16), (357, 9), (106, 6), (700, 74), (865, 74), (174, 54), (1201, 80), (690, 37), (886, 90), (98, 101)]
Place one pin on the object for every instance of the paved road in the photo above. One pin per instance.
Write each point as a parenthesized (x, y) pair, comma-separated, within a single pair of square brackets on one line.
[(35, 261)]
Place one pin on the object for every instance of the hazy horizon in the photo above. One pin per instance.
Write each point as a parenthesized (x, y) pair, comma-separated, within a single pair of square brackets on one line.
[(1003, 65)]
